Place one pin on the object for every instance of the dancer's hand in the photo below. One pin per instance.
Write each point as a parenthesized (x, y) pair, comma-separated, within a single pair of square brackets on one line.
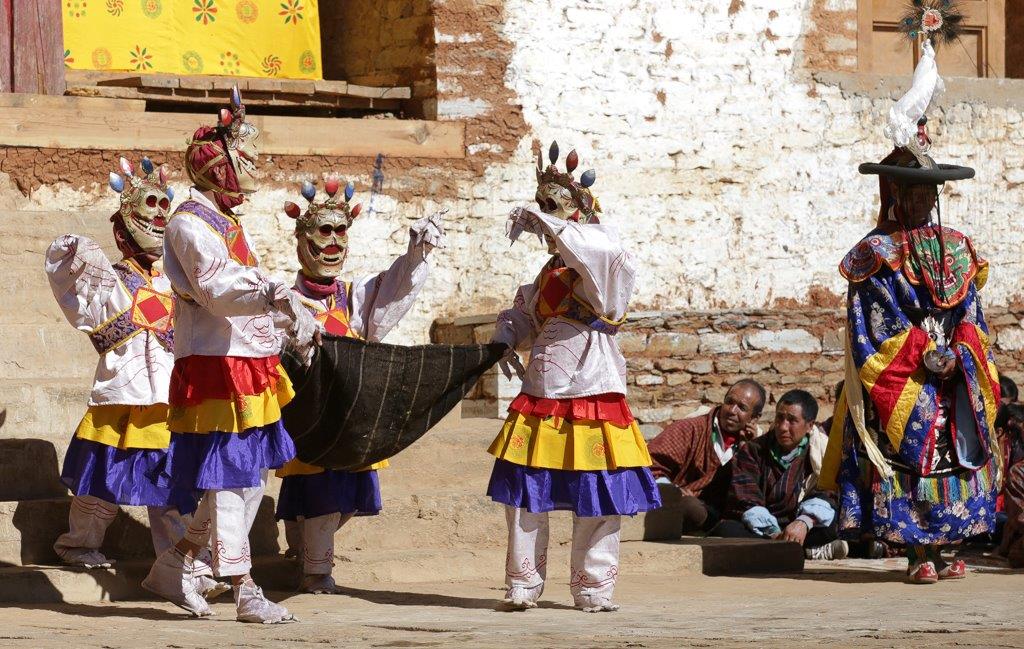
[(429, 233), (509, 363), (523, 220)]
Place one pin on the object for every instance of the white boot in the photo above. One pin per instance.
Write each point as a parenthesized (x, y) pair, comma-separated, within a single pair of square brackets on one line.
[(520, 598), (253, 606), (207, 586), (85, 558), (171, 578)]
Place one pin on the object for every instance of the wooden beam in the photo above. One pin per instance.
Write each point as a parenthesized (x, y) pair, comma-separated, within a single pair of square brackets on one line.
[(213, 99), (26, 100), (80, 129)]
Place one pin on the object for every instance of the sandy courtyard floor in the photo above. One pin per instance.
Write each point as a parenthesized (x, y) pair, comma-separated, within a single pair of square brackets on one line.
[(853, 605)]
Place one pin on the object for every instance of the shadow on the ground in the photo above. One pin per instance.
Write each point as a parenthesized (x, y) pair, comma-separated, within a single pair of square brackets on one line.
[(400, 598), (111, 609), (837, 575)]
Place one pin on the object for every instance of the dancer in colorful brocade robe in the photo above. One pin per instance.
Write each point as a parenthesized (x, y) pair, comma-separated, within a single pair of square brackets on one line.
[(570, 441), (317, 501), (227, 387), (912, 447), (126, 308)]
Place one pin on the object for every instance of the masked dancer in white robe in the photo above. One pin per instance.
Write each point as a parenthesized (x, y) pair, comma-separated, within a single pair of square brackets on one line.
[(126, 309), (570, 441), (227, 387), (314, 502)]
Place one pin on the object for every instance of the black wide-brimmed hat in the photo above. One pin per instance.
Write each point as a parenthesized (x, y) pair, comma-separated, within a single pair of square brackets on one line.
[(904, 168)]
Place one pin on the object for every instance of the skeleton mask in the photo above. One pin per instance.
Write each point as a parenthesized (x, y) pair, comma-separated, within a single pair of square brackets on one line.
[(241, 138), (145, 201), (561, 196), (322, 232)]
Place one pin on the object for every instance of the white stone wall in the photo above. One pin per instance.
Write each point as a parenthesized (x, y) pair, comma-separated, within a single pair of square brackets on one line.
[(730, 169)]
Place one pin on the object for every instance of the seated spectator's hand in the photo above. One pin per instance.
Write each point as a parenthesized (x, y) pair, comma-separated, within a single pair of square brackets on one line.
[(683, 491), (749, 431), (795, 532)]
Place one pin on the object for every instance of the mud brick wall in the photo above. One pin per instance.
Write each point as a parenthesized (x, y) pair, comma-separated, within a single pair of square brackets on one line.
[(678, 361)]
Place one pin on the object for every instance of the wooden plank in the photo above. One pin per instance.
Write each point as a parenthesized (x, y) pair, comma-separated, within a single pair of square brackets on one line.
[(6, 46), (195, 83), (63, 129), (38, 61), (217, 98), (331, 87), (159, 81), (24, 100), (995, 39), (400, 92)]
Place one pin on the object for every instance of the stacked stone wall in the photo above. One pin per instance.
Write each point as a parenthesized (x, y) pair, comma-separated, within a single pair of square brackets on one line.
[(679, 361)]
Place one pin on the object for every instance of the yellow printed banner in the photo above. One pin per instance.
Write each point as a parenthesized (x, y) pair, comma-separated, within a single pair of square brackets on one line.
[(249, 38)]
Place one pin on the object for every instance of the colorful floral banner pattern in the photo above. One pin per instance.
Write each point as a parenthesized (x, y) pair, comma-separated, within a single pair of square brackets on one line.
[(252, 38)]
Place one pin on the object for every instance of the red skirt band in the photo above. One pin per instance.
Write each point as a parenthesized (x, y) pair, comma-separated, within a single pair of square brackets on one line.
[(196, 379), (608, 407)]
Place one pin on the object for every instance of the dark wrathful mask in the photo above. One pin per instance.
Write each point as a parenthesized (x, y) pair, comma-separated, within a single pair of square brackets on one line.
[(322, 231), (145, 203)]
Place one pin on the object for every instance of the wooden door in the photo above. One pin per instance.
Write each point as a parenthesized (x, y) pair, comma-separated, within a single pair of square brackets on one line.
[(31, 47), (980, 51)]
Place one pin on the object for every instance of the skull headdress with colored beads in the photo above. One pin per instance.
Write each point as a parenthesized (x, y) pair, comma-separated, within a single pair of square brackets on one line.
[(145, 202), (322, 230), (560, 195)]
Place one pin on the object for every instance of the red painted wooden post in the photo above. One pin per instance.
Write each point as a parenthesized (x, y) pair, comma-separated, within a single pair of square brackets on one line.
[(38, 47), (6, 46)]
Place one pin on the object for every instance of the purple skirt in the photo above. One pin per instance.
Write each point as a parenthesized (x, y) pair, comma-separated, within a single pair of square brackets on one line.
[(585, 493), (329, 492), (121, 476), (221, 460)]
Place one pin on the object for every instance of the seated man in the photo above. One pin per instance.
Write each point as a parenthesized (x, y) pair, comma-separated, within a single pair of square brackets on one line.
[(773, 491), (694, 454)]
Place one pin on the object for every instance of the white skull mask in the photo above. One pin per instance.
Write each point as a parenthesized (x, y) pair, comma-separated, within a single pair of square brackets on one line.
[(555, 200), (322, 232), (145, 203), (559, 195), (244, 156)]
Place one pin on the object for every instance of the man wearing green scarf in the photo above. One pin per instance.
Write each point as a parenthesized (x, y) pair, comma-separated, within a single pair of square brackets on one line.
[(774, 485)]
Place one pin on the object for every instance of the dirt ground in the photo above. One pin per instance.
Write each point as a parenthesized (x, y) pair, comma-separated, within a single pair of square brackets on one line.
[(855, 604)]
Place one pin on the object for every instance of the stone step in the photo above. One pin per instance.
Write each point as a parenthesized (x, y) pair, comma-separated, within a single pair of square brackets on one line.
[(51, 584), (28, 529)]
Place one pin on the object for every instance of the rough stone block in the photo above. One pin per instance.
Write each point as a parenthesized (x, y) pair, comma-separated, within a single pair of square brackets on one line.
[(678, 378), (1010, 339), (672, 344), (700, 367), (653, 415), (649, 379), (719, 343), (798, 341), (631, 342)]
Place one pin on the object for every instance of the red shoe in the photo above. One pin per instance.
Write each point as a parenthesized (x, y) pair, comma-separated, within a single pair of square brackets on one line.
[(922, 573), (955, 570)]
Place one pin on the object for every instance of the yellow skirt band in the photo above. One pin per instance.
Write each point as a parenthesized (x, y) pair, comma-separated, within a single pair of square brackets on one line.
[(126, 427), (233, 415), (297, 467), (581, 445)]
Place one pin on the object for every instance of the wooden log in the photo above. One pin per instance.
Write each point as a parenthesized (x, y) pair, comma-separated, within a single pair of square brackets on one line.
[(80, 129)]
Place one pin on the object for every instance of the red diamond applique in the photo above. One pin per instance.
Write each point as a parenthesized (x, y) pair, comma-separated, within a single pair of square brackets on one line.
[(555, 292), (152, 310), (238, 249), (335, 322)]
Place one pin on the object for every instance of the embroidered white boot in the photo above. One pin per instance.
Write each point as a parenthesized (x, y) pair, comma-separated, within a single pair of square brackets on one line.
[(253, 606), (171, 578)]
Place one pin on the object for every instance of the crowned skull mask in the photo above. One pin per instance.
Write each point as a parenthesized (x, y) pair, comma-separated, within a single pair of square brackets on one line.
[(559, 195), (241, 137), (145, 202), (322, 231)]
